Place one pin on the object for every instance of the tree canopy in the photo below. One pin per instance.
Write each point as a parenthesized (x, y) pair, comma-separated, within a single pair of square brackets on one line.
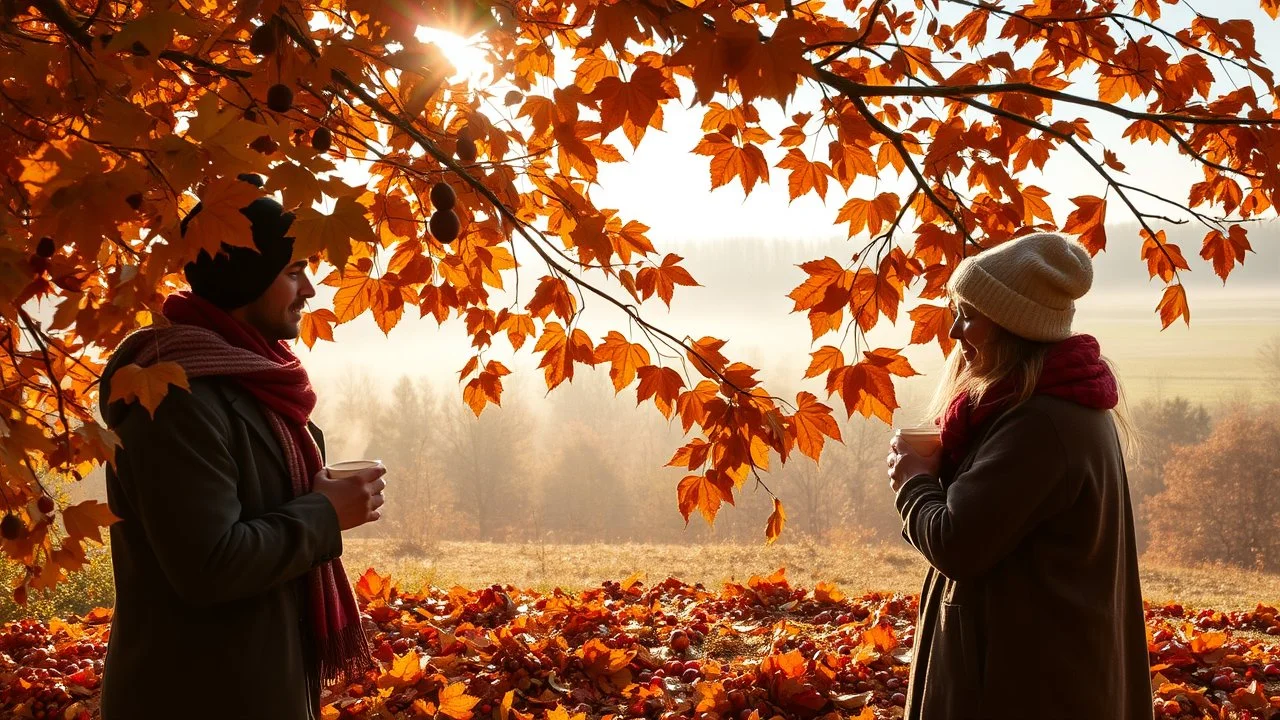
[(922, 123)]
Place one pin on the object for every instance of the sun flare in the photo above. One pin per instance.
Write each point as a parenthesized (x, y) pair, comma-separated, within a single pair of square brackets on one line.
[(467, 59)]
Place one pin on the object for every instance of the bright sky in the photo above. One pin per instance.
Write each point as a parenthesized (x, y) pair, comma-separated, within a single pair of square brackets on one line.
[(667, 187)]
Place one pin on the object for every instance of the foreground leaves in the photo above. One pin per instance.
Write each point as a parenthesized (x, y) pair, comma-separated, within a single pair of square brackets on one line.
[(629, 650), (117, 117)]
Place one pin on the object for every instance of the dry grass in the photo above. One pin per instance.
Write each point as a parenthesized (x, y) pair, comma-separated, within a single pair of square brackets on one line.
[(887, 568)]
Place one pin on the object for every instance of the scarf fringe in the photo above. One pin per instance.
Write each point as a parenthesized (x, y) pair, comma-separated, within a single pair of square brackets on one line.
[(345, 657)]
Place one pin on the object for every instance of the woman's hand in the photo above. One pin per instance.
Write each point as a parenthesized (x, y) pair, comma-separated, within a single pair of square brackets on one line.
[(905, 463)]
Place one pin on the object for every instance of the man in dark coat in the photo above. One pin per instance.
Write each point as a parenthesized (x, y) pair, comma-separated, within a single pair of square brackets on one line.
[(230, 598)]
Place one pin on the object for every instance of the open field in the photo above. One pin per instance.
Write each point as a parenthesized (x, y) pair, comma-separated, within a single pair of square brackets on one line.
[(864, 569)]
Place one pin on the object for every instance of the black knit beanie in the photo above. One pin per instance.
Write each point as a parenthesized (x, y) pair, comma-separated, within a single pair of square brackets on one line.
[(238, 275)]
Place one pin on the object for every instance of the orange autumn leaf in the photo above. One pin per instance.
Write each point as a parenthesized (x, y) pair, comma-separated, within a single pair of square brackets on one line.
[(704, 493), (662, 279), (1164, 259), (1088, 221), (825, 358), (777, 519), (332, 233), (869, 215), (728, 160), (317, 325), (812, 424), (1173, 305), (147, 385), (826, 592), (220, 219), (85, 520), (806, 175), (932, 322), (660, 383), (485, 388), (561, 351), (624, 358), (1226, 250), (372, 586)]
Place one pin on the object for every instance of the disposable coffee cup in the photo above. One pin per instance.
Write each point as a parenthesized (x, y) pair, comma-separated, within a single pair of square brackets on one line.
[(346, 469), (924, 440)]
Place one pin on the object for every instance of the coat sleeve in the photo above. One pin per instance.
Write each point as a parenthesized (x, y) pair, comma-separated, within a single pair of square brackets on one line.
[(1019, 478), (182, 482)]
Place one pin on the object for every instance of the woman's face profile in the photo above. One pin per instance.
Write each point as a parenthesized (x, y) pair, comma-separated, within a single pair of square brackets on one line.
[(973, 330)]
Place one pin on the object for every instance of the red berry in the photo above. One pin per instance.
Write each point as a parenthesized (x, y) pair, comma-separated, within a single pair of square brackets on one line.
[(691, 675), (46, 504), (1271, 670), (679, 641), (899, 699), (134, 200), (45, 248), (1223, 682)]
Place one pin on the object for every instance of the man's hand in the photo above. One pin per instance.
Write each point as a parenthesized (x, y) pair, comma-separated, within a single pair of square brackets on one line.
[(904, 463), (356, 498)]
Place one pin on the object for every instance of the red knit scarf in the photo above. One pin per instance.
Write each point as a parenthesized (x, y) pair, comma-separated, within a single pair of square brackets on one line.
[(1073, 370), (206, 341)]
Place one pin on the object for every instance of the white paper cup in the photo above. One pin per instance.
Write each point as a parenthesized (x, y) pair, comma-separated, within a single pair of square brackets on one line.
[(337, 471), (925, 441)]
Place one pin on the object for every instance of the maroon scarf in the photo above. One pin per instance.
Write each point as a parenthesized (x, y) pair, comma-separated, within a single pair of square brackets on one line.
[(1073, 370), (206, 341)]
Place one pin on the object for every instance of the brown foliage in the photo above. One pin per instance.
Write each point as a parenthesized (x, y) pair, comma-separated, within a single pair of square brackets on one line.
[(1220, 502)]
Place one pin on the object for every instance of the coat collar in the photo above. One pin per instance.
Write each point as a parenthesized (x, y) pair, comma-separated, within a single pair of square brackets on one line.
[(247, 407)]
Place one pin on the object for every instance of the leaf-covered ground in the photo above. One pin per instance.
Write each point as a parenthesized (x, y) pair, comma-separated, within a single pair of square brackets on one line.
[(668, 651)]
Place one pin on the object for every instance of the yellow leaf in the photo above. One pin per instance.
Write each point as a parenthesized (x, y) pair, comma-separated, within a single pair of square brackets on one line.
[(405, 670), (504, 710), (147, 385), (456, 703)]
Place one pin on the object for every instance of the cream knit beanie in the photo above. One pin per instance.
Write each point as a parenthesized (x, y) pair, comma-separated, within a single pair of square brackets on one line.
[(1027, 286)]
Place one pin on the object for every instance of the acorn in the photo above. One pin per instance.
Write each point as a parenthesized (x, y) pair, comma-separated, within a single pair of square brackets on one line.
[(321, 139), (11, 527), (263, 40), (279, 98), (445, 225), (442, 196), (466, 146)]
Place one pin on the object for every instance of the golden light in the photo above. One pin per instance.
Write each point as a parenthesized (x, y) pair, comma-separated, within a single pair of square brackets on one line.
[(468, 60)]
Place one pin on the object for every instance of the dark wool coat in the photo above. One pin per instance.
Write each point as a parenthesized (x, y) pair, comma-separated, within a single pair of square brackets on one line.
[(210, 560), (1032, 606)]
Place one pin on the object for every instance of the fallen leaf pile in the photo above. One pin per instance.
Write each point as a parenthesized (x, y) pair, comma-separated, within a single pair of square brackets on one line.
[(669, 651)]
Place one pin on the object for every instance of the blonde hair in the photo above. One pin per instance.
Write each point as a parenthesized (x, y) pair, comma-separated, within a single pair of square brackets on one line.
[(1018, 361)]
